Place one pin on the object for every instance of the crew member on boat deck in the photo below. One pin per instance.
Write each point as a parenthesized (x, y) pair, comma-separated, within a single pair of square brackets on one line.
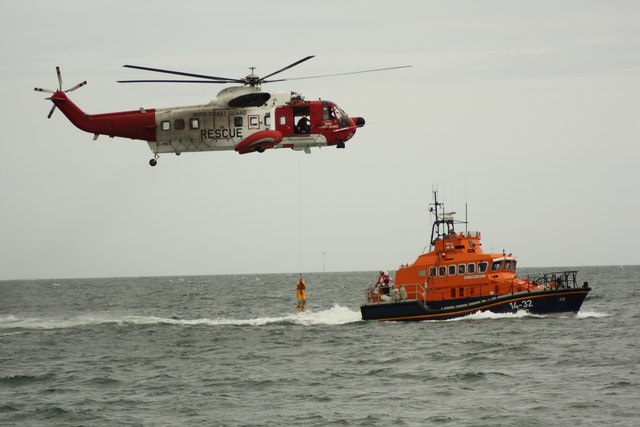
[(301, 294), (383, 282)]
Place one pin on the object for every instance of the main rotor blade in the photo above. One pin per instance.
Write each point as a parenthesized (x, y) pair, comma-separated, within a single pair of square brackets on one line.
[(39, 89), (59, 77), (179, 73), (179, 81), (79, 85), (338, 74), (286, 68), (51, 112)]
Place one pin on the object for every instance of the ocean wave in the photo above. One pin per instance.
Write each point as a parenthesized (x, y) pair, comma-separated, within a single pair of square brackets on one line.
[(482, 315), (336, 315), (21, 380), (587, 314)]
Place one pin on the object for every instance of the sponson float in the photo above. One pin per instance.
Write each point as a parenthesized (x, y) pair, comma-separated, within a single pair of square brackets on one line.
[(456, 278)]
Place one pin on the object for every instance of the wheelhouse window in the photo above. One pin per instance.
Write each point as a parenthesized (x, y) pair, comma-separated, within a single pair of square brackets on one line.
[(497, 265), (462, 269), (507, 264), (442, 271), (482, 266), (513, 265), (194, 123), (165, 125), (452, 270), (179, 124), (471, 268), (432, 272)]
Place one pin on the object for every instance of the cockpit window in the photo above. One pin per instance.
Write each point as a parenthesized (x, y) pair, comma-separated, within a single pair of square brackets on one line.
[(339, 112), (327, 113)]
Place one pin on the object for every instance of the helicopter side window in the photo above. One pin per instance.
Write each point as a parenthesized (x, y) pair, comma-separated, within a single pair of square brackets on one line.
[(179, 124), (194, 123), (165, 125), (267, 120), (237, 122)]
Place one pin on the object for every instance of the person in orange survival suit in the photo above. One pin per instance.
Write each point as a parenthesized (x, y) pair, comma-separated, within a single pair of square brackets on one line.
[(383, 282), (301, 294)]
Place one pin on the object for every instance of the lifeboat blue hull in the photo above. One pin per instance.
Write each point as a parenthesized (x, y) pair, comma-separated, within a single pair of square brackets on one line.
[(534, 302)]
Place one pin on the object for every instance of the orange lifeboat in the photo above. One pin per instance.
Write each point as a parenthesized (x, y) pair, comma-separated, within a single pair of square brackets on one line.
[(457, 278)]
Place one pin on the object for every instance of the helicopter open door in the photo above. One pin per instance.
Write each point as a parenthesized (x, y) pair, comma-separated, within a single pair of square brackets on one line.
[(294, 120)]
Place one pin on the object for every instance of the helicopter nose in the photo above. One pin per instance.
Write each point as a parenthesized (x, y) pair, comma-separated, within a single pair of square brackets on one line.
[(359, 121)]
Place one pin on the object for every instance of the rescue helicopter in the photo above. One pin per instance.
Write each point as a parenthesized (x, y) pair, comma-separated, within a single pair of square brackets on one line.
[(241, 117)]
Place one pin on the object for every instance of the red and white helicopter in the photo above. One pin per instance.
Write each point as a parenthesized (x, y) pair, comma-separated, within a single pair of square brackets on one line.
[(241, 118)]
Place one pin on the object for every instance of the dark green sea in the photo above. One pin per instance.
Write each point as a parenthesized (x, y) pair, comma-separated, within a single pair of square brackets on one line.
[(232, 351)]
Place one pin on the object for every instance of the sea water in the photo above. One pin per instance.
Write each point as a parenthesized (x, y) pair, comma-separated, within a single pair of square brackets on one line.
[(232, 351)]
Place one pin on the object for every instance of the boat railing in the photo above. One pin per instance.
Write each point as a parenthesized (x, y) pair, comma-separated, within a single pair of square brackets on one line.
[(552, 280), (555, 279), (385, 294)]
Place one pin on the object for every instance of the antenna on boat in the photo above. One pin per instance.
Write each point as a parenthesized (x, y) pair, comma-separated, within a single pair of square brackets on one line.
[(466, 217), (435, 209)]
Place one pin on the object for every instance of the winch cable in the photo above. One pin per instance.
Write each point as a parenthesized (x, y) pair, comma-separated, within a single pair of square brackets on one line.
[(300, 211)]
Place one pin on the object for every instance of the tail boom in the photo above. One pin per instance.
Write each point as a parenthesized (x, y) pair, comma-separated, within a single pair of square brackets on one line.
[(137, 124)]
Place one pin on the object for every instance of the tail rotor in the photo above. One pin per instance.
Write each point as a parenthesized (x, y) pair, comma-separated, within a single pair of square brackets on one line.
[(39, 89)]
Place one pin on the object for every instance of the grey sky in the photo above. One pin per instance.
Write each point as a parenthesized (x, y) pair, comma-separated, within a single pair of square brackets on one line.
[(526, 110)]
